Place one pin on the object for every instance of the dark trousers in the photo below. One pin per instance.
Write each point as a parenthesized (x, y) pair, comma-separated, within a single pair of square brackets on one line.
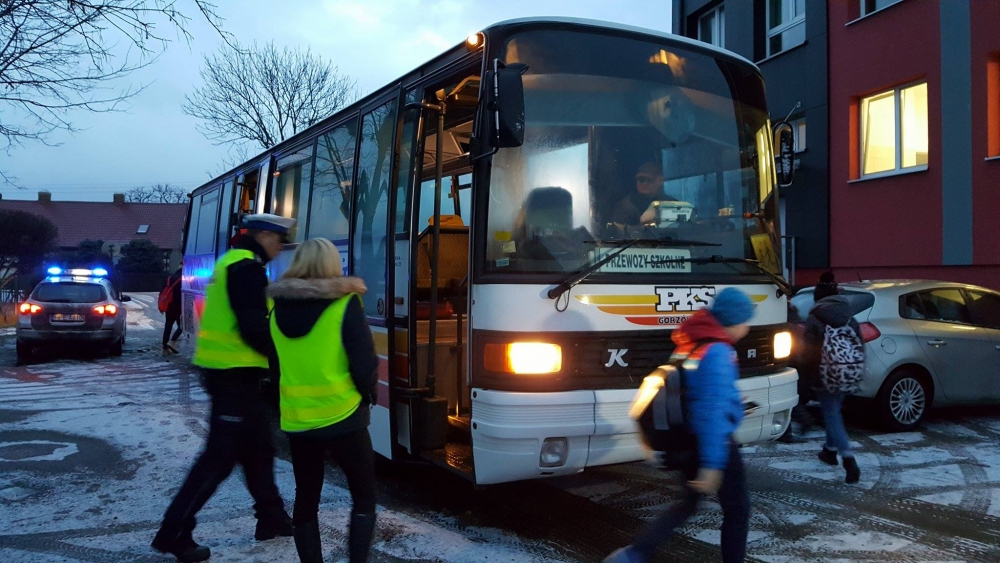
[(172, 318), (735, 514), (239, 432), (352, 452)]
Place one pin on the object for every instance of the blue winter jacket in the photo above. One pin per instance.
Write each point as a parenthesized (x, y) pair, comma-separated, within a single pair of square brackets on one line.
[(714, 405)]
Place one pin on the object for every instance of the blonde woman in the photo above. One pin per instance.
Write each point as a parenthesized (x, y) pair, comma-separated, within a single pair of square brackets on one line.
[(327, 365)]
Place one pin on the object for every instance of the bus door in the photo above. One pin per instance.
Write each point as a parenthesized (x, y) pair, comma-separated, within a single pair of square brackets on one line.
[(432, 266)]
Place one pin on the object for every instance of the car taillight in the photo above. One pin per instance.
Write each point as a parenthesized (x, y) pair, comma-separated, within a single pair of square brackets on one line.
[(869, 332), (109, 310), (29, 309)]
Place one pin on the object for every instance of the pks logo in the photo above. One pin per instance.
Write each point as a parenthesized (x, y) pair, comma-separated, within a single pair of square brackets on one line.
[(684, 299)]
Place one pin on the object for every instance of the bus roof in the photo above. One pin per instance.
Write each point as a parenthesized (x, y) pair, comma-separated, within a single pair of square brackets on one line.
[(456, 53)]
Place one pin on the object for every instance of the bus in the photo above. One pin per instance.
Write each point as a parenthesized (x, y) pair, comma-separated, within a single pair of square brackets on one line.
[(483, 198)]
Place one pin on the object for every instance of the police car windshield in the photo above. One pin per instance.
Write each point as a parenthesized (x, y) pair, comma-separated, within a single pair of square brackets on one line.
[(50, 292)]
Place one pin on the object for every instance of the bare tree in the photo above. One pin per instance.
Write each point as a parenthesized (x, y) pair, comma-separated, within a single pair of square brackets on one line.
[(264, 95), (57, 56), (158, 193)]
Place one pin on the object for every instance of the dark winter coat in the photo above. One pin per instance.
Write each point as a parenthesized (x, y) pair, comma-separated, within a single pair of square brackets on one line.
[(714, 405), (298, 305), (174, 280), (835, 311), (247, 287)]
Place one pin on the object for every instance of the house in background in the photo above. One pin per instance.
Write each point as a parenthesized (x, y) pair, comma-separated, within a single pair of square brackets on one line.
[(896, 110), (116, 223)]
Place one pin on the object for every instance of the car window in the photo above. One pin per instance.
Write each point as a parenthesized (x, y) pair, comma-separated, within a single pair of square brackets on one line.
[(69, 293), (860, 300), (984, 308), (945, 305)]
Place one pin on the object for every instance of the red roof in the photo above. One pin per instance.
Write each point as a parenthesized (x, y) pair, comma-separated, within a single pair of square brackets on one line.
[(111, 222)]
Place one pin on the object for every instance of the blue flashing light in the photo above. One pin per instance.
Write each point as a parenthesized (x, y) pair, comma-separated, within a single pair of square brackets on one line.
[(100, 272), (54, 271)]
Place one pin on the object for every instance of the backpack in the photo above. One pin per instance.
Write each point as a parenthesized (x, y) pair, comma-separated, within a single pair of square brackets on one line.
[(660, 410), (166, 297), (842, 360)]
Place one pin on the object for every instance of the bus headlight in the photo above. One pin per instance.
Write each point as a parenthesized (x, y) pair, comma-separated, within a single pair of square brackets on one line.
[(554, 452), (782, 345), (524, 357)]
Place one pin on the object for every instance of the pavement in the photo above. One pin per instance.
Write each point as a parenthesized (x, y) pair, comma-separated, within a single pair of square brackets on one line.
[(92, 449)]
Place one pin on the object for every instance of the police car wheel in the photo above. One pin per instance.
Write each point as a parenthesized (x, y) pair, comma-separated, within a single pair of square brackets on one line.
[(116, 348), (23, 351)]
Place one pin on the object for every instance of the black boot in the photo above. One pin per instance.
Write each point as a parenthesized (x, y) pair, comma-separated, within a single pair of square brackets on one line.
[(183, 548), (828, 457), (359, 540), (308, 544), (853, 472), (270, 528)]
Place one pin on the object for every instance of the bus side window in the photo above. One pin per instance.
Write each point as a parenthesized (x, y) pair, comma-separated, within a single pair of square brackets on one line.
[(204, 230), (293, 182), (329, 213), (371, 203)]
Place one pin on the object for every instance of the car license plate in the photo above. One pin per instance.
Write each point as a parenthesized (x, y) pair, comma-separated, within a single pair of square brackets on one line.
[(61, 318)]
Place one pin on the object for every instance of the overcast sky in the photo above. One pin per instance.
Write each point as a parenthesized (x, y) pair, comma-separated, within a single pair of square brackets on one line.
[(374, 41)]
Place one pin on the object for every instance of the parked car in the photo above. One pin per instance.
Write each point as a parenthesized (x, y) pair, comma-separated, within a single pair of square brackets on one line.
[(926, 343), (75, 305)]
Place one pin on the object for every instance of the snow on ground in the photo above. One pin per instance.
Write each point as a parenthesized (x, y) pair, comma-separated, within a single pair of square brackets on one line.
[(137, 423)]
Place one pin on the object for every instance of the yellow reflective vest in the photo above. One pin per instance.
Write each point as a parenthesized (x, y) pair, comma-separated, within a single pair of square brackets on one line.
[(316, 386), (219, 344)]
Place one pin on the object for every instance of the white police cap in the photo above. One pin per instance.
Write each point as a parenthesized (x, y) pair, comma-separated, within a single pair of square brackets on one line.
[(269, 222)]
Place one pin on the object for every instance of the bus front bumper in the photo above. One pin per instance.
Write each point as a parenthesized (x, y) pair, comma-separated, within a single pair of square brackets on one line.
[(517, 436)]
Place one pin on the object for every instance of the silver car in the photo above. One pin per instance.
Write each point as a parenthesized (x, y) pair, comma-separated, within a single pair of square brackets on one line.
[(926, 343)]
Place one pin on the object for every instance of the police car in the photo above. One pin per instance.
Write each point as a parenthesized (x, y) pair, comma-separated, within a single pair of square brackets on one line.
[(72, 305)]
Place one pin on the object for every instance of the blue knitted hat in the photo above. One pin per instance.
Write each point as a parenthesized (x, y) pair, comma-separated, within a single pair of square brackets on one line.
[(732, 307)]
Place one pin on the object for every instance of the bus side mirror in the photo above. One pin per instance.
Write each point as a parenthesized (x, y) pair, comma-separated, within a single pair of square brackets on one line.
[(505, 105), (784, 150)]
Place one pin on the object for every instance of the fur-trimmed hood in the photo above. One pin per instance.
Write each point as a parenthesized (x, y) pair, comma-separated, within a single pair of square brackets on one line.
[(326, 288)]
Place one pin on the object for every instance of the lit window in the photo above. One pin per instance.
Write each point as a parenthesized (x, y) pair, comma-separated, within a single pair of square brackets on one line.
[(993, 106), (143, 229), (872, 6), (786, 25), (894, 130), (712, 27), (799, 127)]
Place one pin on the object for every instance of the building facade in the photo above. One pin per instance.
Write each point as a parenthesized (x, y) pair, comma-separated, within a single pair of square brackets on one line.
[(899, 176)]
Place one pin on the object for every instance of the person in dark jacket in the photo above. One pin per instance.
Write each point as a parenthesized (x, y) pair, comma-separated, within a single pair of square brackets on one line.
[(834, 311), (633, 209), (714, 412), (326, 358), (173, 312), (232, 350)]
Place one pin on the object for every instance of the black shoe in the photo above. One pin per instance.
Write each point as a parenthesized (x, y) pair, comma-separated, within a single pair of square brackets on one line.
[(828, 457), (268, 529), (184, 549), (853, 472), (308, 543), (787, 437)]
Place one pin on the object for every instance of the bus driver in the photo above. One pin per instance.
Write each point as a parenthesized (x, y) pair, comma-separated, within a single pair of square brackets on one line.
[(635, 208)]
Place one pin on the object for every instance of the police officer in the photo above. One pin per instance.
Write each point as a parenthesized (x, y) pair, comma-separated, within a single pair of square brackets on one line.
[(232, 349)]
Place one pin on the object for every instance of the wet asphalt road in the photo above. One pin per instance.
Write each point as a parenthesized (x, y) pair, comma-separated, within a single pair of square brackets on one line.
[(92, 448)]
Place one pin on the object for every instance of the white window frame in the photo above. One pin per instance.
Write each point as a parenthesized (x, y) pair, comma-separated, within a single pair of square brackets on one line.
[(143, 229), (897, 94), (718, 26), (865, 12), (793, 21), (799, 129)]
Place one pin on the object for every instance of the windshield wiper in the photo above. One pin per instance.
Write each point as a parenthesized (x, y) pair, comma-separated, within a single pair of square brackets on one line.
[(581, 274), (783, 286)]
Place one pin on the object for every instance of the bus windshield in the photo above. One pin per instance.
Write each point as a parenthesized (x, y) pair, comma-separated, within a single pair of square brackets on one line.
[(626, 139)]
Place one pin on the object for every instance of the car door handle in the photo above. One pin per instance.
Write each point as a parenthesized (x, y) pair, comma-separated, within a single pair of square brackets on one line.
[(937, 342)]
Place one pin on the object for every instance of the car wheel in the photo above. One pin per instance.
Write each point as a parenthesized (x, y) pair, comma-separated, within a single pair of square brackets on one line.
[(116, 348), (23, 351), (904, 400)]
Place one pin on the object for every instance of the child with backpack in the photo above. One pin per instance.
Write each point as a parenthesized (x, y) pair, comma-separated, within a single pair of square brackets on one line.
[(837, 366), (169, 303), (714, 410)]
